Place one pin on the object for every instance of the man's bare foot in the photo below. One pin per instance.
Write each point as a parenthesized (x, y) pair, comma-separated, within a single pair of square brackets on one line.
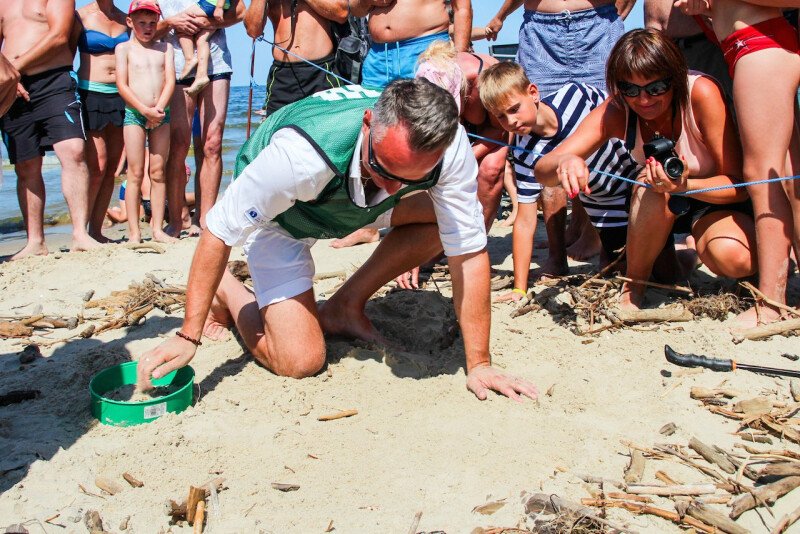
[(630, 299), (551, 268), (83, 243), (586, 246), (188, 67), (198, 85), (163, 237), (758, 315), (218, 322), (31, 249), (364, 235), (100, 238), (342, 319)]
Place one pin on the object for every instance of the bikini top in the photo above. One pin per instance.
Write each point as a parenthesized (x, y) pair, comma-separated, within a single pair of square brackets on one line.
[(95, 42), (480, 61)]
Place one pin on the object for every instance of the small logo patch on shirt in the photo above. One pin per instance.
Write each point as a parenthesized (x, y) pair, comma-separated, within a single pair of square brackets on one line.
[(254, 215)]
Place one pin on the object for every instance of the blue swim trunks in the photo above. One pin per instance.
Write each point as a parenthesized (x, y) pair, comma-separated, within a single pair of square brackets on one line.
[(389, 61), (209, 7), (134, 118), (571, 46)]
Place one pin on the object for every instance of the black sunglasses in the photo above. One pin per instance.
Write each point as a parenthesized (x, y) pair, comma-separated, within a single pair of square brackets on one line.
[(656, 88), (375, 166)]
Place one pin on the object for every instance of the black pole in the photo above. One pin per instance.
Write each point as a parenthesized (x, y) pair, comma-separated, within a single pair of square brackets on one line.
[(715, 364)]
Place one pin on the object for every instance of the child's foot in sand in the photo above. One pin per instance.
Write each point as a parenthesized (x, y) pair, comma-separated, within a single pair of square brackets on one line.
[(218, 322), (198, 85), (31, 249), (163, 237), (365, 235), (84, 243), (188, 67), (135, 238)]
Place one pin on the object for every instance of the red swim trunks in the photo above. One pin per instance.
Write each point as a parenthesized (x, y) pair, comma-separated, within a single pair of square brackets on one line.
[(772, 33)]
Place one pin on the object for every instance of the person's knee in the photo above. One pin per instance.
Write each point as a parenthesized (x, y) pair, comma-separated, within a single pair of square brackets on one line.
[(72, 154), (300, 363), (212, 147), (727, 257)]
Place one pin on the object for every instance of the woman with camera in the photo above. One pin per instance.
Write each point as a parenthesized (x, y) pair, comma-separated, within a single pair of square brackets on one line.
[(677, 126), (761, 50)]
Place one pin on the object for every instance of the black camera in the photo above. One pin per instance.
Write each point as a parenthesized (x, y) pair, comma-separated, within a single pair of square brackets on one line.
[(663, 150)]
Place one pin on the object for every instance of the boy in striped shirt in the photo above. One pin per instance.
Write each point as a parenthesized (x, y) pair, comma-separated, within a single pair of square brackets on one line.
[(539, 125)]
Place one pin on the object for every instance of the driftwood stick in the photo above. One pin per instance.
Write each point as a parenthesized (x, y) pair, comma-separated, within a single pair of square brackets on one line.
[(688, 461), (629, 497), (338, 415), (676, 288), (712, 456), (638, 508), (768, 494), (195, 496), (635, 469), (668, 491), (780, 469), (668, 314), (767, 330), (786, 521), (666, 479), (700, 511), (415, 523), (605, 270), (553, 504), (699, 393), (199, 517), (112, 487), (132, 480)]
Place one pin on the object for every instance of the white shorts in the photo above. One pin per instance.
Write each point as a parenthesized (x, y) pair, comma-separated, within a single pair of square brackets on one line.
[(281, 266)]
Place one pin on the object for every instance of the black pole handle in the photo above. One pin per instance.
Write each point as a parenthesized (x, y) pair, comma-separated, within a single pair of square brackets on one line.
[(693, 360)]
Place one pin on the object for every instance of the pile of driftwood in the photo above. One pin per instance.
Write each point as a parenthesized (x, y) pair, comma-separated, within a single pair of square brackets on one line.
[(588, 304), (744, 478), (118, 310), (193, 509)]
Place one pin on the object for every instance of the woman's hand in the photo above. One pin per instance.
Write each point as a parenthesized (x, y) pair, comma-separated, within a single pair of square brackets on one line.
[(573, 173), (695, 7), (654, 175), (512, 296)]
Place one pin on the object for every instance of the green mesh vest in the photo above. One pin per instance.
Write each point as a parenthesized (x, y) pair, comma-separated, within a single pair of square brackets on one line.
[(330, 121)]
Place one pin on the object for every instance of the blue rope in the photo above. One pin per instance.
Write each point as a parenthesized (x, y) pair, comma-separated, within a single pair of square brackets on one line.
[(642, 184), (518, 148), (301, 58)]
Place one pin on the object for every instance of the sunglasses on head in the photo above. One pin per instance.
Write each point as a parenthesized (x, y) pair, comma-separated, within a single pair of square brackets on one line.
[(656, 88), (376, 167)]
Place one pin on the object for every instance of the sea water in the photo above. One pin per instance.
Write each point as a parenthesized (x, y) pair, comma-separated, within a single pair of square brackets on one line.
[(56, 207)]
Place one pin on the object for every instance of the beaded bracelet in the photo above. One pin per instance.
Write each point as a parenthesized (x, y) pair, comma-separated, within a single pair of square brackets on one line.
[(520, 291), (196, 342)]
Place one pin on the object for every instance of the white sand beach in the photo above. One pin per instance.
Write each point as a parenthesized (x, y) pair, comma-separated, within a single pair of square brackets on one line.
[(420, 441)]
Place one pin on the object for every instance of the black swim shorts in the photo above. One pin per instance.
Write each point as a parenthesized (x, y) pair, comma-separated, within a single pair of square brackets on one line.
[(52, 115), (288, 82)]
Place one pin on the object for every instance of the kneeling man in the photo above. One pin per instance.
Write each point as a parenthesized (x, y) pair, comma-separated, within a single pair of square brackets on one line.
[(323, 167)]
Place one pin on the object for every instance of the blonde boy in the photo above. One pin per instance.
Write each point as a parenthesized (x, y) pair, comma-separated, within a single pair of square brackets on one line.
[(146, 81), (539, 125)]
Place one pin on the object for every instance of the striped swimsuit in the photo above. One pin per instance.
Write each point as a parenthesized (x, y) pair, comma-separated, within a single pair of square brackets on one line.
[(606, 205)]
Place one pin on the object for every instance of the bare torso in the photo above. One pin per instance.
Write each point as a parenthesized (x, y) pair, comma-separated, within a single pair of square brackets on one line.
[(557, 6), (311, 38), (733, 15), (99, 67), (146, 67), (23, 24), (406, 19), (660, 15)]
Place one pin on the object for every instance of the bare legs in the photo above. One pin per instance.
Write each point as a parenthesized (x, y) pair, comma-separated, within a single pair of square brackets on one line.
[(490, 183), (765, 127), (135, 151), (159, 152), (75, 188), (31, 196), (554, 208), (203, 52), (213, 103), (103, 150)]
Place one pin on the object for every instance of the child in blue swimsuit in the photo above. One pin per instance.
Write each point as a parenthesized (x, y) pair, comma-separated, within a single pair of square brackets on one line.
[(212, 9)]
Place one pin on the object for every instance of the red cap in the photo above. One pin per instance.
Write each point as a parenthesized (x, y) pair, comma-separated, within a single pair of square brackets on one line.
[(144, 5)]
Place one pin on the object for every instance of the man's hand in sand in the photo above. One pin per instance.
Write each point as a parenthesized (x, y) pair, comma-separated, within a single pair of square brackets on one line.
[(165, 358), (511, 296), (409, 279), (483, 378)]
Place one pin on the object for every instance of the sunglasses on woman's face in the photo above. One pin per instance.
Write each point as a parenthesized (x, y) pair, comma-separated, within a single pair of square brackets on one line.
[(656, 88), (376, 167)]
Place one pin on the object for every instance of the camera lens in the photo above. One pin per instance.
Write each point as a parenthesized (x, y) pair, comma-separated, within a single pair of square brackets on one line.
[(674, 168)]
